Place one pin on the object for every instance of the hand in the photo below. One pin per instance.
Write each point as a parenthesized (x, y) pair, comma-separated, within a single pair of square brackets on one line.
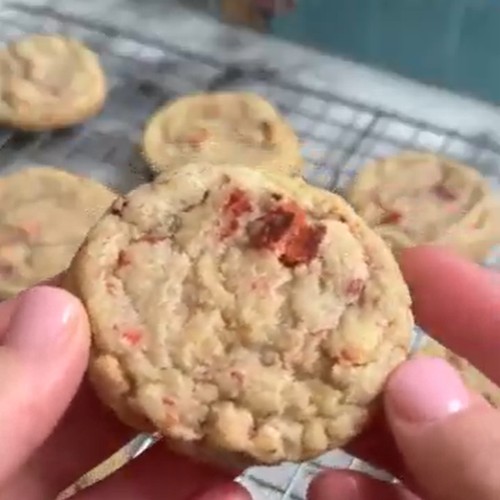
[(440, 440), (44, 344)]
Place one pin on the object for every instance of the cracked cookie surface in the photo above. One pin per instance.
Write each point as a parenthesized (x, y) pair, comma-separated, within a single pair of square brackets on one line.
[(238, 311), (472, 377), (45, 214), (49, 81), (221, 128), (420, 198)]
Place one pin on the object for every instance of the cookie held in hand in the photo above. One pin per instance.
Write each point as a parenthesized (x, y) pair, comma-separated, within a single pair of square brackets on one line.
[(241, 313)]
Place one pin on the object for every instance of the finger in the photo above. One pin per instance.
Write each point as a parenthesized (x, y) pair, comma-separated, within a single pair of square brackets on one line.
[(87, 427), (42, 360), (458, 303), (7, 309), (228, 491), (448, 439), (376, 446), (158, 474), (351, 485), (56, 280)]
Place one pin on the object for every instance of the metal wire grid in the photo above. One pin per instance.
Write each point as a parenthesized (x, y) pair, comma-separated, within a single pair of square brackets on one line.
[(338, 136)]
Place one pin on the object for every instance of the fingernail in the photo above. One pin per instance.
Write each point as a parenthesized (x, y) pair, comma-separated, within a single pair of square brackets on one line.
[(228, 491), (425, 390), (43, 321), (334, 484)]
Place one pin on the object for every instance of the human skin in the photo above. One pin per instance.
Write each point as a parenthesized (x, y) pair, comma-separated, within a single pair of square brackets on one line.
[(43, 355)]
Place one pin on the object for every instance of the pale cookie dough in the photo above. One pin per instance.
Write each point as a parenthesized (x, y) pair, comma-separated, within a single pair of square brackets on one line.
[(240, 311), (221, 128), (49, 82), (45, 214), (419, 198), (473, 378)]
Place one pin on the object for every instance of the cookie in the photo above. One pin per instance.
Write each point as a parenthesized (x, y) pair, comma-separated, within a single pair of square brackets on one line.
[(242, 312), (419, 198), (49, 82), (472, 377), (222, 128), (45, 214)]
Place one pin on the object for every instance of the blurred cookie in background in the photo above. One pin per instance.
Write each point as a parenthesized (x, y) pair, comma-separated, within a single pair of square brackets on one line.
[(222, 128), (49, 82), (420, 198), (45, 213)]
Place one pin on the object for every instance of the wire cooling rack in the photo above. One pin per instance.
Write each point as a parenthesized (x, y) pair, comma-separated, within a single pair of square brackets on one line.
[(338, 136)]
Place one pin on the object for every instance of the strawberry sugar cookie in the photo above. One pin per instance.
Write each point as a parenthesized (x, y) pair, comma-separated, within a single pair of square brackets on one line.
[(241, 313), (221, 128), (48, 81), (420, 198), (45, 213)]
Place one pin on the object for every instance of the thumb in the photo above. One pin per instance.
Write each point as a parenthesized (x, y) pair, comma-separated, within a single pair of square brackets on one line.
[(43, 355), (449, 439)]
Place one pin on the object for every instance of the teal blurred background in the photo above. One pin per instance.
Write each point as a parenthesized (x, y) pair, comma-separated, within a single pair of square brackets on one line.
[(449, 43)]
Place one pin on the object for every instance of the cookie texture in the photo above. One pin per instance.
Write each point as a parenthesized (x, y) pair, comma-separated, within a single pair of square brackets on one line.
[(45, 215), (472, 377), (419, 198), (241, 312), (221, 128), (49, 82)]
